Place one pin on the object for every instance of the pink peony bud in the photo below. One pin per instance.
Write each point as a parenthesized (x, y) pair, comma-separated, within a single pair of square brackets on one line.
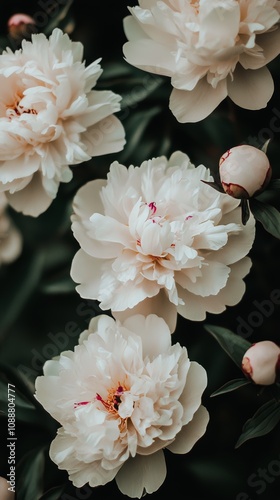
[(261, 362), (21, 25), (244, 171)]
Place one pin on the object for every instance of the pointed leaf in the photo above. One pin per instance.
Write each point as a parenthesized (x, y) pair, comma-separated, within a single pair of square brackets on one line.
[(262, 422), (234, 345), (53, 494), (231, 386), (30, 472), (267, 215)]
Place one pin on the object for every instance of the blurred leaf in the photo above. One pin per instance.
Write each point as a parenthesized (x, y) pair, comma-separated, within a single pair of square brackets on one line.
[(19, 284), (234, 345), (267, 215), (231, 386), (274, 184), (63, 284), (19, 400), (30, 471), (21, 383), (262, 422), (135, 126), (53, 493), (56, 17)]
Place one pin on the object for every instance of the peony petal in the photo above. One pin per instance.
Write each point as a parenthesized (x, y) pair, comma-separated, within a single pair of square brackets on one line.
[(159, 305), (32, 200), (150, 55), (251, 89), (153, 331), (195, 105), (88, 272), (107, 136), (142, 474), (191, 433), (191, 396)]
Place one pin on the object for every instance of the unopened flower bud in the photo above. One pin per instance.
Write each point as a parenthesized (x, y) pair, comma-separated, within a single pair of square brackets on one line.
[(21, 26), (244, 171), (261, 362)]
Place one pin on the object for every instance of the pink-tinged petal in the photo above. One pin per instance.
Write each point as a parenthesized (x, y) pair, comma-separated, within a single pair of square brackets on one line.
[(87, 199), (141, 474), (32, 200), (150, 55), (223, 20), (191, 433), (159, 305), (195, 105), (100, 105), (107, 229), (88, 272), (127, 295), (270, 44), (132, 29), (153, 331), (213, 277), (22, 166), (230, 253), (195, 385), (251, 89), (106, 137)]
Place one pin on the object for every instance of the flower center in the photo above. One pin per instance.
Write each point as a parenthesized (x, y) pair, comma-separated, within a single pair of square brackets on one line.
[(16, 109), (111, 403)]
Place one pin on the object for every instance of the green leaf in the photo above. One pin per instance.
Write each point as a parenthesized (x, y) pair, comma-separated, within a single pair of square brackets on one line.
[(267, 215), (135, 126), (274, 184), (19, 284), (21, 383), (30, 471), (231, 386), (53, 494), (262, 422), (234, 345)]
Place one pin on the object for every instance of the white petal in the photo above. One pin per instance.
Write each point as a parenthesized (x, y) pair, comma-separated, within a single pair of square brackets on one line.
[(142, 474), (150, 55), (107, 136), (153, 331), (32, 200), (195, 385), (194, 105), (251, 89), (191, 433)]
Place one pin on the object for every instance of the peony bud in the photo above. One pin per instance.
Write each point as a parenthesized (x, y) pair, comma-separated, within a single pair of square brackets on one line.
[(21, 26), (261, 362), (244, 171)]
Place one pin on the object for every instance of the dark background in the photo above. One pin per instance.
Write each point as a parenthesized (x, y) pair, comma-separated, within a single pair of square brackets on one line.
[(38, 299)]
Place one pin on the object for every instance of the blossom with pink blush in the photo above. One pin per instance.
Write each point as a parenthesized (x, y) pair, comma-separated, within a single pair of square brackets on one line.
[(122, 396), (156, 238), (51, 118), (261, 362), (244, 171), (209, 49)]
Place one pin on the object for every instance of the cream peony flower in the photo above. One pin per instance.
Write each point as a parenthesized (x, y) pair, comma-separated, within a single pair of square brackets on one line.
[(155, 238), (10, 237), (50, 119), (210, 49), (123, 395)]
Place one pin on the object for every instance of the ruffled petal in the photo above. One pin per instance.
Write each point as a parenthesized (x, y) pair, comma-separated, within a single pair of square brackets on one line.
[(142, 474), (191, 433), (195, 105), (251, 89)]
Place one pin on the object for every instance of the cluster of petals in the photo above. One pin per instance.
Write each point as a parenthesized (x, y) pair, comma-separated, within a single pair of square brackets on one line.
[(51, 118), (121, 396), (11, 241), (158, 238), (209, 49)]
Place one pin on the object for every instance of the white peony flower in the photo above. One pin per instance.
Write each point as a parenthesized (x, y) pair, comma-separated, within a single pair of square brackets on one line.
[(209, 49), (155, 238), (50, 118), (123, 395), (10, 238)]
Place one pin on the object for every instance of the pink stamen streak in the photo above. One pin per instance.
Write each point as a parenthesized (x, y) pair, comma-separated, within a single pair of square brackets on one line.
[(152, 207)]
